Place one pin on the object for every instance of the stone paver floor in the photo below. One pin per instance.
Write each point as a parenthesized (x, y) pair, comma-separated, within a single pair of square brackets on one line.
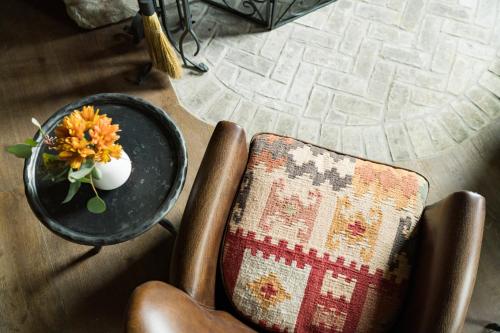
[(387, 79)]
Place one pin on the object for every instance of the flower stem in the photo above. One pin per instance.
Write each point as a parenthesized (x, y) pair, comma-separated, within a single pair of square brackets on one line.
[(93, 187)]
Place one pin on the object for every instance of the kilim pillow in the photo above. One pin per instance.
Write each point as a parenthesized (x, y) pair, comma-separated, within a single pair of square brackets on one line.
[(319, 241)]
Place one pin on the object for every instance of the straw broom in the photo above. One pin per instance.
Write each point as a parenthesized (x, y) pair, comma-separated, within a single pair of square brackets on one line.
[(160, 50)]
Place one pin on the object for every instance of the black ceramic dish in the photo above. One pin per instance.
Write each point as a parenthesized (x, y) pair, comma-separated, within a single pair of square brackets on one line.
[(159, 164)]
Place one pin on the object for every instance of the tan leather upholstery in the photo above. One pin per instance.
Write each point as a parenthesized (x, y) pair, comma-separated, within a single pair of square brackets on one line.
[(448, 257), (158, 307), (443, 280), (195, 256)]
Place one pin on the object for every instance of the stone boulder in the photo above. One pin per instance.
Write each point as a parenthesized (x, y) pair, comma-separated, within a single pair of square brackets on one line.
[(90, 14)]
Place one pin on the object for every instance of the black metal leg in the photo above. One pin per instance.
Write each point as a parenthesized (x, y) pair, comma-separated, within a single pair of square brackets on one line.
[(185, 22), (143, 73), (493, 327), (165, 223), (95, 250)]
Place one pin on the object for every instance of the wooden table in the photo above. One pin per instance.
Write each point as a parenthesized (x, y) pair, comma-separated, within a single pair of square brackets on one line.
[(48, 284)]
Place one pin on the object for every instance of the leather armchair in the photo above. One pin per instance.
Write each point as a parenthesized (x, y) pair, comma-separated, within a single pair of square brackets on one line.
[(441, 285)]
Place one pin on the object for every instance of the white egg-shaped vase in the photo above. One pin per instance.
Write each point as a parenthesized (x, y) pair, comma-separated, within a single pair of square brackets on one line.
[(114, 173)]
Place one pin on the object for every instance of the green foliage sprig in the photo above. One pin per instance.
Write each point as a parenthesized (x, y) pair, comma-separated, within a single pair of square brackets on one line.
[(58, 170)]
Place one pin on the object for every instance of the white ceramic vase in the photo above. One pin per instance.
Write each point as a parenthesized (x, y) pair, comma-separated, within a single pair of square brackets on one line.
[(114, 173)]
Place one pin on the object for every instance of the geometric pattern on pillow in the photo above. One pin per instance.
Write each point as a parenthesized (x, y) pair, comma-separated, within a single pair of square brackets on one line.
[(319, 241)]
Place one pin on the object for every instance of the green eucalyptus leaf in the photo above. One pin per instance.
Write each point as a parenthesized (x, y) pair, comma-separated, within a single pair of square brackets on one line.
[(31, 142), (84, 170), (51, 161), (96, 205), (73, 188), (85, 180), (50, 157), (96, 173), (21, 150)]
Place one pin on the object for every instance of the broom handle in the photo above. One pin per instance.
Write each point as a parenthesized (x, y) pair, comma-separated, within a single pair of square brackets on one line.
[(146, 7)]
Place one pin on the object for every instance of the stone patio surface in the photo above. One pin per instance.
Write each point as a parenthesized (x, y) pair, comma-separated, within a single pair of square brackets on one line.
[(387, 79)]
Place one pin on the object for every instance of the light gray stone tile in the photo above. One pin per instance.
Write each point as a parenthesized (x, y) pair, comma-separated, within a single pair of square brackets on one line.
[(491, 82), (226, 73), (204, 95), (343, 82), (377, 13), (454, 125), (486, 13), (380, 81), (444, 55), (272, 89), (399, 98), (244, 113), (397, 139), (327, 58), (314, 37), (421, 78), (376, 144), (249, 61), (366, 59), (288, 62), (274, 44), (438, 134), (318, 103), (391, 34), (495, 67), (429, 33), (356, 106), (406, 56), (450, 10), (412, 14), (330, 136), (308, 130), (223, 107), (214, 52), (470, 114), (352, 141), (465, 30), (485, 101), (286, 125), (263, 121), (353, 36), (302, 84), (476, 50), (419, 137)]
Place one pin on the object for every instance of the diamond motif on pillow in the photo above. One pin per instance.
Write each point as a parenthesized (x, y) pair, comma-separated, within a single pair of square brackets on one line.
[(319, 241), (268, 290)]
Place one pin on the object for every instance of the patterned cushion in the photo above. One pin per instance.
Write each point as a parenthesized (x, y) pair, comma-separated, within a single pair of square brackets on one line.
[(318, 241)]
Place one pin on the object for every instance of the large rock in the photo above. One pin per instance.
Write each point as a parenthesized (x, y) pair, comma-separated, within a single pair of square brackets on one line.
[(90, 14)]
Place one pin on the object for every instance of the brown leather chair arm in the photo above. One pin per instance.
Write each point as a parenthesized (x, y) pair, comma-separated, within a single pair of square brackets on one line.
[(450, 243), (195, 255), (156, 307)]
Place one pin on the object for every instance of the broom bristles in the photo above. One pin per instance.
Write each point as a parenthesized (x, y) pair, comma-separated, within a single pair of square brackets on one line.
[(160, 50)]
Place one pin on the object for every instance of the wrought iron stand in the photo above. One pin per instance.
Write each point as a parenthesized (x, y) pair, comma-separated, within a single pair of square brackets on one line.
[(270, 13), (185, 24), (493, 327)]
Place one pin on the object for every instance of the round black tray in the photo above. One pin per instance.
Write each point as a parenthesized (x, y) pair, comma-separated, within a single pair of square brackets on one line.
[(159, 163)]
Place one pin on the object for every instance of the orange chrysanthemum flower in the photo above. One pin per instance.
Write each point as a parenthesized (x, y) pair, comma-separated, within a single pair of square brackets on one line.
[(105, 154), (90, 116), (75, 151), (103, 133), (86, 134), (71, 126)]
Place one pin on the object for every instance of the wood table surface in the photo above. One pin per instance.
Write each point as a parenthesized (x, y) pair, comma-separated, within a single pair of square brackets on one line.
[(48, 284)]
